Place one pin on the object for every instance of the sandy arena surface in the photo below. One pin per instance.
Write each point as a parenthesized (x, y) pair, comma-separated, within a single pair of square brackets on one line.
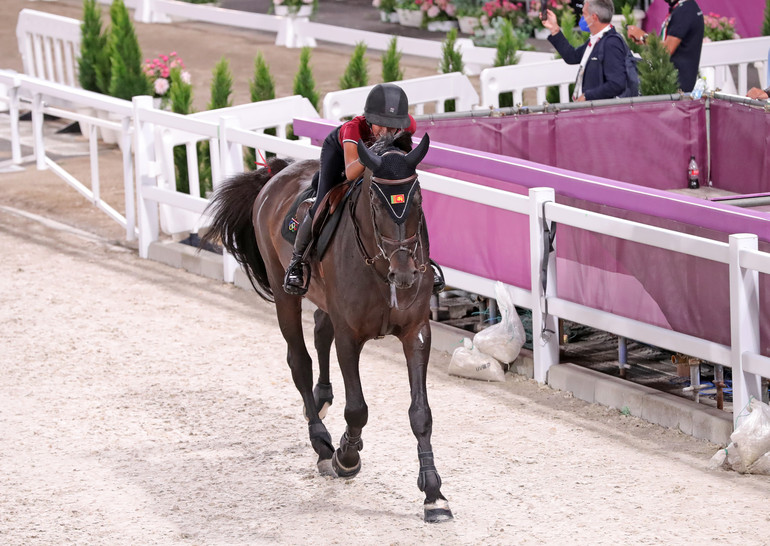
[(143, 405)]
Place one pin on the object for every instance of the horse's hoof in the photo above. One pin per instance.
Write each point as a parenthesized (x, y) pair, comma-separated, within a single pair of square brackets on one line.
[(342, 471), (438, 512), (325, 468)]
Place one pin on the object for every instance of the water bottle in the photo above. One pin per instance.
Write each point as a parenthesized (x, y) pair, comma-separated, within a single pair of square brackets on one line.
[(692, 174), (700, 87)]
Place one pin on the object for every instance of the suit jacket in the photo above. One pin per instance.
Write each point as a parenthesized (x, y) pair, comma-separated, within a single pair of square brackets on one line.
[(605, 71)]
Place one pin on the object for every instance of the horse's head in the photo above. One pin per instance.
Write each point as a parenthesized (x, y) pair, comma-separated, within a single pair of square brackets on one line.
[(396, 204)]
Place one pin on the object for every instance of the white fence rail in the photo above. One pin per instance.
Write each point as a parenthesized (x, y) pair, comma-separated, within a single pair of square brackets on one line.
[(432, 90)]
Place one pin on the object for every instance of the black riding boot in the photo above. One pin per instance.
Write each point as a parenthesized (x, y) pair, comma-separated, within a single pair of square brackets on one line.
[(294, 282), (438, 277)]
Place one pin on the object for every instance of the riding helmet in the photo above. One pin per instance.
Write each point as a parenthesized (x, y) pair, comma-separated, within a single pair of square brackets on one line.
[(387, 106)]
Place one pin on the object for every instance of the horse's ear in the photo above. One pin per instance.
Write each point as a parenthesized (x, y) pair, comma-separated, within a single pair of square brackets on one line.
[(414, 157), (367, 157)]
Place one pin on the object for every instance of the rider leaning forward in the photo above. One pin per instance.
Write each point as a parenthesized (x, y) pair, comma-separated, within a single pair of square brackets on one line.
[(386, 111)]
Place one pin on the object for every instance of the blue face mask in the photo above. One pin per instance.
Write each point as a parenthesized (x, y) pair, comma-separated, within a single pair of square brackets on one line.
[(583, 24)]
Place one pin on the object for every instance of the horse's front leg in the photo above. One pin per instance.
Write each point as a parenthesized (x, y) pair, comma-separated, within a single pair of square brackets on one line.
[(347, 461), (416, 343)]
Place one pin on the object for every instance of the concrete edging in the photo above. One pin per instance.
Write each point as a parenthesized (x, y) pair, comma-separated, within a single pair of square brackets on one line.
[(594, 387)]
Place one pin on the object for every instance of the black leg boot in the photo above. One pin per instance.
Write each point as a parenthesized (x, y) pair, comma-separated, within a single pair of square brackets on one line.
[(294, 282), (438, 277)]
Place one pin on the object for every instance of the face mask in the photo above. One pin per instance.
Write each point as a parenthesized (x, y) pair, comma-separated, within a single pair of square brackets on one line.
[(583, 24)]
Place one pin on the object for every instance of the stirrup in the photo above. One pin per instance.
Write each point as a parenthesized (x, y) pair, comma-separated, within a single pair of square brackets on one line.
[(294, 282)]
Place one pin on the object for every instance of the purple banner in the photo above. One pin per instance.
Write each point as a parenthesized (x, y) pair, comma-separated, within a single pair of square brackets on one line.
[(748, 14)]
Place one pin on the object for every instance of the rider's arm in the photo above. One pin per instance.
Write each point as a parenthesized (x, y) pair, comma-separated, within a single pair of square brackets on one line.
[(353, 167)]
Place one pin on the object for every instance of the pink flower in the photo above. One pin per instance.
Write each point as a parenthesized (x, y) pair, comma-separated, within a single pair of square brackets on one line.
[(433, 11), (186, 78), (450, 10)]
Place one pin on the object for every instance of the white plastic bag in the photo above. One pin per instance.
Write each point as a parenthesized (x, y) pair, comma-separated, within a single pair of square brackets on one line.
[(503, 341), (468, 361), (749, 451), (752, 437)]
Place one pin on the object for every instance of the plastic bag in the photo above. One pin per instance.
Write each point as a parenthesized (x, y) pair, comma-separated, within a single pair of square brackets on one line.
[(752, 437), (503, 341), (468, 361), (749, 451)]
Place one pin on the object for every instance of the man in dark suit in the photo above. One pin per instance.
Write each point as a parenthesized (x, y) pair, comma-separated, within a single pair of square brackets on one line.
[(602, 59)]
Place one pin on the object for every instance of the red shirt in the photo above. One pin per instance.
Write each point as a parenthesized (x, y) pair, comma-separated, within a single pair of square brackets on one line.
[(357, 129)]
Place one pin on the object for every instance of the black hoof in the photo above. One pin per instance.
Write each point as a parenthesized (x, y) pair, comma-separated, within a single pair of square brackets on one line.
[(438, 512), (344, 472)]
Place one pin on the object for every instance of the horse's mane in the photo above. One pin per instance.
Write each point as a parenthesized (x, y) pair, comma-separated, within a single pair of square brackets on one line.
[(389, 141)]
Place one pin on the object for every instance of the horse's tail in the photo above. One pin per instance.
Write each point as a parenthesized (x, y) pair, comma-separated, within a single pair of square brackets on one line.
[(231, 208)]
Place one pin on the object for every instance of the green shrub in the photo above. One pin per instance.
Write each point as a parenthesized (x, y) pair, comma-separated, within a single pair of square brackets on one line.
[(451, 61), (304, 83), (262, 87), (94, 60), (221, 92), (391, 63), (357, 72), (180, 96), (507, 54), (657, 74), (127, 79), (766, 21)]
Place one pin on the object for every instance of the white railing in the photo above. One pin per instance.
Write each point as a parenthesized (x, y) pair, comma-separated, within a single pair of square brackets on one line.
[(717, 60), (39, 92), (432, 90)]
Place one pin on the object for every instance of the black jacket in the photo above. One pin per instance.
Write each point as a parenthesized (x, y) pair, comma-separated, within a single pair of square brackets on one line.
[(605, 71)]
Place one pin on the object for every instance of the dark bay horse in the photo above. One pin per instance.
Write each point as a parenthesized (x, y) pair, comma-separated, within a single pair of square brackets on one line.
[(374, 279)]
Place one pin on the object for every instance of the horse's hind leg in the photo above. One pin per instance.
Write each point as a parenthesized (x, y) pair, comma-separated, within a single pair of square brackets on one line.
[(417, 350), (323, 337), (289, 310), (347, 461)]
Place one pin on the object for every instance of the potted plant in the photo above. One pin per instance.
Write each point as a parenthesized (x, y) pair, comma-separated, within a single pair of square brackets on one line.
[(439, 15), (158, 71), (718, 28), (387, 9), (409, 13), (294, 8), (468, 14)]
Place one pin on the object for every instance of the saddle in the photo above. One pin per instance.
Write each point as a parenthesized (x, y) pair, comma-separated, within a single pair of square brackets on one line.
[(327, 216)]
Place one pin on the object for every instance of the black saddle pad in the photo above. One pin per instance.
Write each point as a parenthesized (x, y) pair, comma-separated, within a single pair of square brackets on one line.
[(291, 222)]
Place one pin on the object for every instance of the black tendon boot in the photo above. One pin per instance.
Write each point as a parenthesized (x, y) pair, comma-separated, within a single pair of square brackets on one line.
[(294, 282), (438, 277)]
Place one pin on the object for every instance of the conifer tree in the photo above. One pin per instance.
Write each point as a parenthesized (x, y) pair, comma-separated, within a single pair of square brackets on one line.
[(766, 22), (628, 19), (357, 72), (127, 78), (304, 83), (94, 60), (451, 61), (180, 96), (657, 74), (262, 87), (507, 46), (221, 91), (391, 63)]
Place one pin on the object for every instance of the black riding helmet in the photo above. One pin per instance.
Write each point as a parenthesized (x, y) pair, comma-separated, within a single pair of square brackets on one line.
[(387, 106)]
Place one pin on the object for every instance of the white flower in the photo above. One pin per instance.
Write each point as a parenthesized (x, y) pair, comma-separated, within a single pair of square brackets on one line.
[(160, 86), (186, 78)]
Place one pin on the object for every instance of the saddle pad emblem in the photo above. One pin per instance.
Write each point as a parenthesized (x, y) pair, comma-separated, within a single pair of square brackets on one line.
[(396, 199), (293, 225)]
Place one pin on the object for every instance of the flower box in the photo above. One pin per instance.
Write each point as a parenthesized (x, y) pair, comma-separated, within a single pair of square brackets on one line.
[(388, 16), (468, 23), (409, 17), (441, 26)]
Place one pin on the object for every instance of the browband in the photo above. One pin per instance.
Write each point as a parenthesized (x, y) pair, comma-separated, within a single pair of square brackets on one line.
[(386, 182)]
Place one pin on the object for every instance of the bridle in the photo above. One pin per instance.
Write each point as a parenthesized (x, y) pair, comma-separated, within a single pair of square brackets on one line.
[(387, 247)]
